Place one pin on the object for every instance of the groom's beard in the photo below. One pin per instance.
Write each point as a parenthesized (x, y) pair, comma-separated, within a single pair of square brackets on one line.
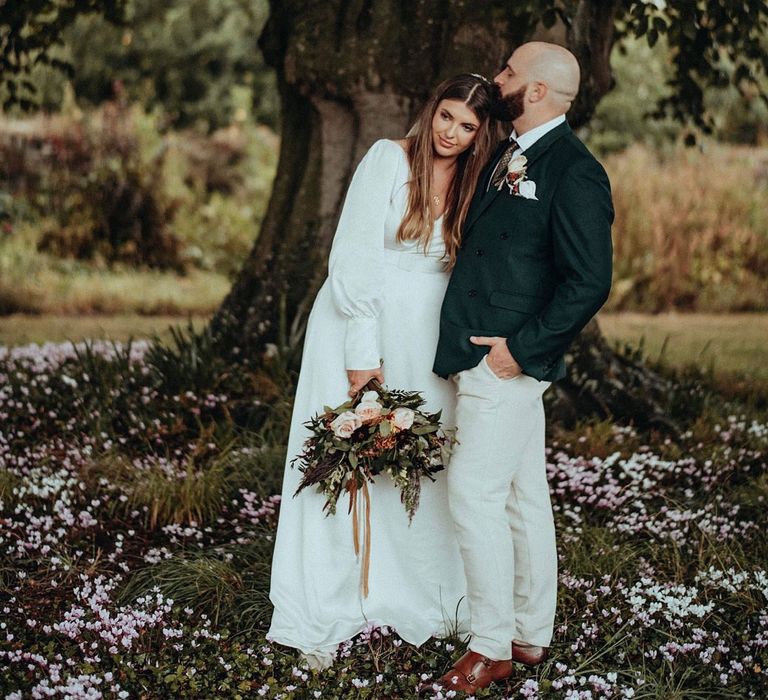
[(507, 108)]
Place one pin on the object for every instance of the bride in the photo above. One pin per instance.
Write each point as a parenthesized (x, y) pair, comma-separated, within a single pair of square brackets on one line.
[(377, 315)]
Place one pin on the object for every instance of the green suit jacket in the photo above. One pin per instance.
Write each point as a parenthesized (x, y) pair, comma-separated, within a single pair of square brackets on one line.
[(533, 271)]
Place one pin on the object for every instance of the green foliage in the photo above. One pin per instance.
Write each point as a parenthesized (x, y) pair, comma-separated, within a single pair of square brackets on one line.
[(228, 584), (90, 194), (690, 229), (8, 483), (30, 30), (191, 56), (186, 495), (105, 200), (203, 582), (188, 363), (713, 43), (625, 116), (194, 61), (223, 183), (622, 116), (738, 115)]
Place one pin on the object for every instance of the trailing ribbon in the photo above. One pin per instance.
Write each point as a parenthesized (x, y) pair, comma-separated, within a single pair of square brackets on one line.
[(353, 509)]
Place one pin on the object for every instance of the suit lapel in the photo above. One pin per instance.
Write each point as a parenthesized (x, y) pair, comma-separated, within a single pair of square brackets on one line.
[(478, 196), (482, 199)]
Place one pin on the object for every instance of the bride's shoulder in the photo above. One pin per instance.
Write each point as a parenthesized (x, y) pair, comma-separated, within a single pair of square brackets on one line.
[(384, 160), (402, 144), (388, 146), (388, 149)]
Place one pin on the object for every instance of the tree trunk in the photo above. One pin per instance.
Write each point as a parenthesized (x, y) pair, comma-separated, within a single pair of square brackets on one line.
[(353, 71)]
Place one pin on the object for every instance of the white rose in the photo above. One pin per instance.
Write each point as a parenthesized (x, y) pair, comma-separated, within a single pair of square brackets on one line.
[(527, 189), (345, 424), (370, 397), (402, 418), (517, 164), (368, 410)]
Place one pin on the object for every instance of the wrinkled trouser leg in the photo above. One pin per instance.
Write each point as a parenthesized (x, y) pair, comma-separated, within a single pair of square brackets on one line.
[(501, 508)]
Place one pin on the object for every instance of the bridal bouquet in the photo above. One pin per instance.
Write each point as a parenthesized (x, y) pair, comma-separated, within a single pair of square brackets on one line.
[(377, 432)]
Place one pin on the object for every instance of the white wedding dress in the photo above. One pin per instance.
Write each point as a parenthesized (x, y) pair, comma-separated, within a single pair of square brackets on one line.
[(381, 301)]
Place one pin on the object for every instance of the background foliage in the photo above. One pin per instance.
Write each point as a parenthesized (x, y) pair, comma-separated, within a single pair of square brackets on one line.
[(196, 61)]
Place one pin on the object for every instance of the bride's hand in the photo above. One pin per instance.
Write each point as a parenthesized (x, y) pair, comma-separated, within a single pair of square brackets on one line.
[(358, 378)]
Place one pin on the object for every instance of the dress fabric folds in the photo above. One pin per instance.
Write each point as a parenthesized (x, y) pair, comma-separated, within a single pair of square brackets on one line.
[(381, 301)]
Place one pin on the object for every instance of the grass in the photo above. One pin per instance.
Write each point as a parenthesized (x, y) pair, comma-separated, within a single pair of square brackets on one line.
[(728, 343), (83, 291), (21, 329)]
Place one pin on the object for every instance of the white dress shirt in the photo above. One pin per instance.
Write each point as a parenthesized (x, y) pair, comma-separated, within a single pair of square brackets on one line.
[(526, 140)]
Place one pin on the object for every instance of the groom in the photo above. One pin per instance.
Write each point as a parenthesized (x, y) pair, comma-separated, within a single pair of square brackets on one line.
[(534, 267)]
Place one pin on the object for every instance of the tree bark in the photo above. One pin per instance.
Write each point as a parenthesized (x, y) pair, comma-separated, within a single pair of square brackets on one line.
[(353, 71)]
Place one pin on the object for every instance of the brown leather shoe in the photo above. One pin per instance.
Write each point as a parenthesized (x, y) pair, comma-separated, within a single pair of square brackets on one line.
[(529, 654), (474, 671)]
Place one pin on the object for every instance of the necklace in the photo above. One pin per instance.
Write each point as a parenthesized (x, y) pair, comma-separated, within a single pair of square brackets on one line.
[(436, 200)]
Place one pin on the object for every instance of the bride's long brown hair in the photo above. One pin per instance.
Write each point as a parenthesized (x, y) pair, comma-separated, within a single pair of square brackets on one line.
[(478, 94)]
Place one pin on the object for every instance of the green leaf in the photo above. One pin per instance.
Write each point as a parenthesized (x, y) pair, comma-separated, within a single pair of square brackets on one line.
[(341, 445), (385, 428)]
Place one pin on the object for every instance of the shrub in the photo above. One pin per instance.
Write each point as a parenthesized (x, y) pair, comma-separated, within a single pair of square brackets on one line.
[(690, 229), (106, 202)]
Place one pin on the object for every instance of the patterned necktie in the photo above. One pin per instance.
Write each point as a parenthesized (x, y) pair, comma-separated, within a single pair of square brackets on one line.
[(500, 172)]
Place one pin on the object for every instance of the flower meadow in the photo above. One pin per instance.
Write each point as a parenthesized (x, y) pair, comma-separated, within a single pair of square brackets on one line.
[(138, 508)]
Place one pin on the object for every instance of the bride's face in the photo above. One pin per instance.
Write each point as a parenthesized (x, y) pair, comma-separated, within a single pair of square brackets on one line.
[(454, 128)]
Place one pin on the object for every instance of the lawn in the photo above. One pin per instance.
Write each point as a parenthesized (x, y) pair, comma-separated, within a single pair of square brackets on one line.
[(729, 343), (21, 329)]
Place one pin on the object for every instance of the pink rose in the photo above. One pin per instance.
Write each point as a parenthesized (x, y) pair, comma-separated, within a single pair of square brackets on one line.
[(345, 424), (367, 411), (402, 418)]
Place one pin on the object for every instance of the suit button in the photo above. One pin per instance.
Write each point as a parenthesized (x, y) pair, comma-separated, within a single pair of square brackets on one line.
[(479, 252), (472, 293), (504, 236)]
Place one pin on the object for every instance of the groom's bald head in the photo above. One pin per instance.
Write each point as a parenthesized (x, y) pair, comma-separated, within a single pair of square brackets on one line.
[(553, 65), (540, 80)]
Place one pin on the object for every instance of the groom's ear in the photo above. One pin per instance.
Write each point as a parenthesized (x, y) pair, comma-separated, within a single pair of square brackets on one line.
[(537, 91)]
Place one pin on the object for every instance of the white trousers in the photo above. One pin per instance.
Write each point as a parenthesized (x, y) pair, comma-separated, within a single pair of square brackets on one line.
[(499, 500)]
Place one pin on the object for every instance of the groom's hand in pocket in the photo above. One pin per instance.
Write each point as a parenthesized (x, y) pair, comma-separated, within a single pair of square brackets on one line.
[(500, 359), (358, 378)]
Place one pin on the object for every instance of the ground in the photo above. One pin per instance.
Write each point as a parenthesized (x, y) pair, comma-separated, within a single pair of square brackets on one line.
[(138, 504)]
